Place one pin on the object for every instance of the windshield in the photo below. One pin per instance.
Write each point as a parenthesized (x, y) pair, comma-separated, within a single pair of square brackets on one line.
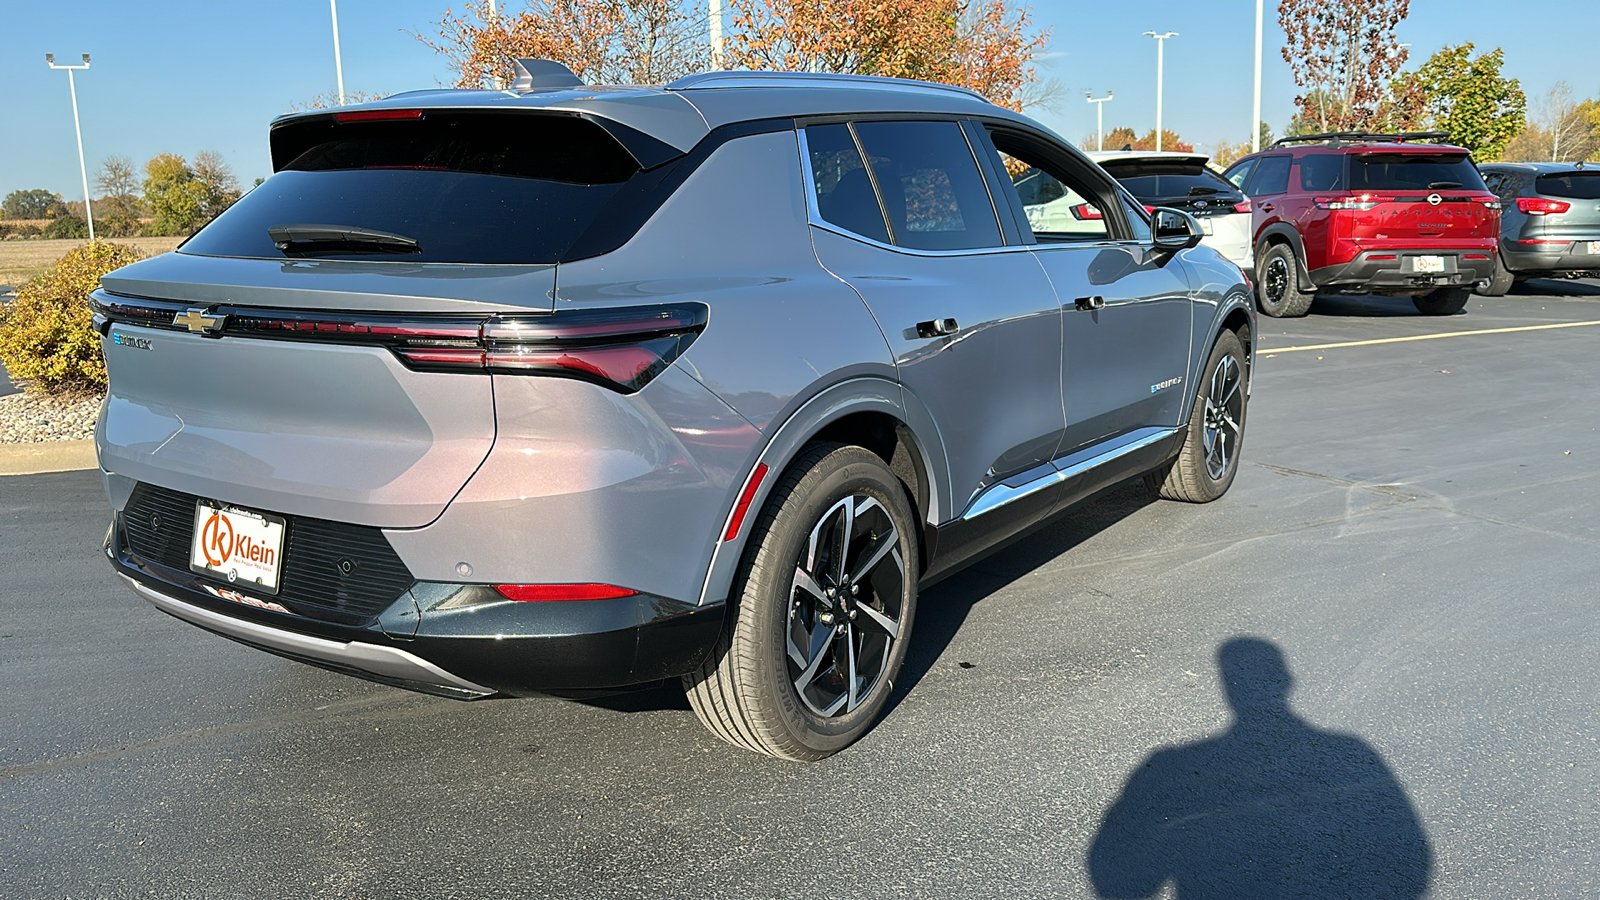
[(461, 187), (1413, 172)]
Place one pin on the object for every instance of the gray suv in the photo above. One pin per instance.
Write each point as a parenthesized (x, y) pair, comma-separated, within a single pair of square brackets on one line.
[(565, 388), (1549, 221)]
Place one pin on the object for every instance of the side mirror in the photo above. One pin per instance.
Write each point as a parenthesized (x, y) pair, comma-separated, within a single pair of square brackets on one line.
[(1175, 230)]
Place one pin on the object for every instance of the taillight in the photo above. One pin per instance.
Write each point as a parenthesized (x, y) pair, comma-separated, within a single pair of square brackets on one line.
[(1084, 212), (1542, 241), (1242, 206), (1492, 204), (621, 348), (548, 592), (1539, 206), (377, 115), (1357, 201)]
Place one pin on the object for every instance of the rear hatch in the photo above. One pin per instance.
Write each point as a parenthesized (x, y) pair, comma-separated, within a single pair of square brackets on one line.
[(1178, 183), (1413, 199), (1569, 211), (321, 348)]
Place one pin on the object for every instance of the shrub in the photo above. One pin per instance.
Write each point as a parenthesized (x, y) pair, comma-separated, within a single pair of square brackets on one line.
[(66, 227), (46, 336)]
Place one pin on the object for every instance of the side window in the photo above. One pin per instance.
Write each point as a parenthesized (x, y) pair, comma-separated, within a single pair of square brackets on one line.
[(932, 188), (1271, 177), (839, 179), (1137, 221), (1322, 172), (1058, 205), (1240, 173)]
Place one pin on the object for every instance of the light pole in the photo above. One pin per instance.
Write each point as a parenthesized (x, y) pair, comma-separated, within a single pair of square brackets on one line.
[(1161, 48), (1099, 117), (72, 84), (1255, 106), (338, 65)]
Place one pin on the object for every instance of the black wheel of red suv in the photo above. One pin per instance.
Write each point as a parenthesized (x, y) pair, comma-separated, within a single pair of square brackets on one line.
[(1278, 292), (823, 606), (1442, 302)]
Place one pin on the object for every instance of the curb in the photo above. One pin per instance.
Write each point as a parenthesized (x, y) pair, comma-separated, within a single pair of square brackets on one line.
[(52, 456)]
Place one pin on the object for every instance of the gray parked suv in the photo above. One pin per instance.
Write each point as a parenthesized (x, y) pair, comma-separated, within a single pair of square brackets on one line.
[(1549, 221), (564, 388)]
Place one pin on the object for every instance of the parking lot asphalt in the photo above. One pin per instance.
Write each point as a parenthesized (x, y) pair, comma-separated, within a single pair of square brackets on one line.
[(1411, 550)]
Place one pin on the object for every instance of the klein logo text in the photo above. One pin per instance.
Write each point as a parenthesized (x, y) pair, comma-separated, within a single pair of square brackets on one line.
[(219, 543), (128, 340), (1170, 382)]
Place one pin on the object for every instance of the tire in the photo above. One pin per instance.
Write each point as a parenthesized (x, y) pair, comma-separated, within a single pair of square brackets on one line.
[(1442, 302), (763, 691), (1501, 281), (1204, 469), (1278, 291)]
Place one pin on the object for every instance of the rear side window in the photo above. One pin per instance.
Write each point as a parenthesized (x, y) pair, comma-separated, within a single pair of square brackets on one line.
[(1413, 172), (1272, 176), (843, 190), (464, 187), (1322, 172), (1572, 185), (932, 188), (1239, 174)]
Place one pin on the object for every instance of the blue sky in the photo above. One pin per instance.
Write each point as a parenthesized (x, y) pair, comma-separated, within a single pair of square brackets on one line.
[(184, 76)]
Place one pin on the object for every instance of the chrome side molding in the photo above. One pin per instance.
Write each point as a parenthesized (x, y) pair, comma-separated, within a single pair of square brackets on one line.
[(1064, 468)]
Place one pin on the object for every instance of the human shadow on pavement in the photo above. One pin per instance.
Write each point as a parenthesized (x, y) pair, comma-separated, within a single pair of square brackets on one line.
[(1274, 807)]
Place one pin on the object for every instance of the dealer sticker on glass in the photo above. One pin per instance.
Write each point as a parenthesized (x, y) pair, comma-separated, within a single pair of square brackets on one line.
[(243, 546)]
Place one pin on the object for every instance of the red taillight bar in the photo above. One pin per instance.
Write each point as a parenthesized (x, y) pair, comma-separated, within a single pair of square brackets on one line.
[(376, 115), (1539, 206), (548, 592)]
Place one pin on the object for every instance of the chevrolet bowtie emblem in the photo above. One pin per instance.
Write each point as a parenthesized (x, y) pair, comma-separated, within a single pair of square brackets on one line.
[(198, 322)]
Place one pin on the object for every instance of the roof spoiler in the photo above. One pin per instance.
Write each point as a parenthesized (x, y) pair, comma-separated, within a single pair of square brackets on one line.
[(542, 75), (1338, 137)]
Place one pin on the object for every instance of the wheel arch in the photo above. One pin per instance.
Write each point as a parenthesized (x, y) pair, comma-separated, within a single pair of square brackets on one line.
[(873, 413), (1236, 313), (1284, 233)]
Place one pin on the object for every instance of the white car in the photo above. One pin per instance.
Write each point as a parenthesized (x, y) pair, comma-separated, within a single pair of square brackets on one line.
[(1182, 181)]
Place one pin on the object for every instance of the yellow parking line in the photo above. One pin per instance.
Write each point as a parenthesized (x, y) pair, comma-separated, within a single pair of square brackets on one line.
[(1267, 351)]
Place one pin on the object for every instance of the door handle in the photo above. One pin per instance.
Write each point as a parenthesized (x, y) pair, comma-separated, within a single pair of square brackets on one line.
[(1268, 207), (1090, 303), (937, 328)]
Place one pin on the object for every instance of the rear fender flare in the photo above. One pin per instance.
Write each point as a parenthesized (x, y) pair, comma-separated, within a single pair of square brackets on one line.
[(1286, 232), (859, 395)]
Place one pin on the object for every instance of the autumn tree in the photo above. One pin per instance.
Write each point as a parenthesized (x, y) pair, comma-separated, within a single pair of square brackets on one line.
[(118, 210), (184, 197), (1562, 129), (1125, 138), (1465, 97), (1343, 54), (35, 204), (601, 41)]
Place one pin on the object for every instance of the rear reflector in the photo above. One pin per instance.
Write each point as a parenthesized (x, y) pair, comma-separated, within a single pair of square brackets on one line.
[(1539, 206), (377, 115), (1381, 256), (545, 592), (1475, 256), (745, 496), (1543, 241)]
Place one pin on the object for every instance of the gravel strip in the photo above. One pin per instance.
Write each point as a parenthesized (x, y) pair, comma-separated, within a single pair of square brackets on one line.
[(27, 419)]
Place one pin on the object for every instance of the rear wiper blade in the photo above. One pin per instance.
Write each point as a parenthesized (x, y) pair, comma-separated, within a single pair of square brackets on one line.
[(319, 237), (1435, 185), (1202, 189)]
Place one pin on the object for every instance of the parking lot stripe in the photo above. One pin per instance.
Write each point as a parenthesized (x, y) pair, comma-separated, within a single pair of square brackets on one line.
[(1421, 337)]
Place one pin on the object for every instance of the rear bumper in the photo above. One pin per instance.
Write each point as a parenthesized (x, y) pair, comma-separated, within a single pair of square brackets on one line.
[(431, 641), (1535, 258), (1369, 271)]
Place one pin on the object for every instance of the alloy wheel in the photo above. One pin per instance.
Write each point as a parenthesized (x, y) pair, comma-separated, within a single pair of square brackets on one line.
[(1224, 409), (1275, 281)]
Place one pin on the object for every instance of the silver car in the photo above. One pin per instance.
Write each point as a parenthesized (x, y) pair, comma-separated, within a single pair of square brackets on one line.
[(563, 388), (1549, 221)]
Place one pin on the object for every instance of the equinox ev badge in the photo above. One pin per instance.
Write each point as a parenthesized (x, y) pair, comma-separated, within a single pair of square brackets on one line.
[(1170, 382), (198, 322), (128, 340)]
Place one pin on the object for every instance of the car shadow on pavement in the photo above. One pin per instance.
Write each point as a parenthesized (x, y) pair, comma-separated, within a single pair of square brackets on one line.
[(943, 608), (1371, 306), (1556, 287), (1273, 807)]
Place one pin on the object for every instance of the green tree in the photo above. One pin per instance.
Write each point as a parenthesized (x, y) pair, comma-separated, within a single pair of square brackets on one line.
[(184, 197), (35, 204), (1465, 97)]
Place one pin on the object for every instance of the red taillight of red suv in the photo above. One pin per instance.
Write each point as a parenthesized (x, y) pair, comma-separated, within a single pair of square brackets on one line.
[(1539, 206), (1357, 201)]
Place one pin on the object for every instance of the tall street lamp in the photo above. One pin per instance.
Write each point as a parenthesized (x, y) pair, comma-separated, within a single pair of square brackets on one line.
[(1099, 117), (1161, 47), (1255, 107), (72, 84), (338, 65), (714, 23)]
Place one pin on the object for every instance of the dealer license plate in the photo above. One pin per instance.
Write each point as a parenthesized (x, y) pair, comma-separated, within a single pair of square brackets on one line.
[(1594, 248), (1427, 264), (243, 546)]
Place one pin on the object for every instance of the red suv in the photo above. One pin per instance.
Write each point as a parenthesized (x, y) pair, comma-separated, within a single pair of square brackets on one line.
[(1360, 213)]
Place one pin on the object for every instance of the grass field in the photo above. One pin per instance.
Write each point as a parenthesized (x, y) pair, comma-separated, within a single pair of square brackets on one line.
[(22, 260)]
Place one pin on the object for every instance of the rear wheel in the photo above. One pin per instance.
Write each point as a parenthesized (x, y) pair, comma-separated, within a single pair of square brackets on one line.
[(1501, 281), (1205, 467), (1442, 302), (824, 604), (1278, 292)]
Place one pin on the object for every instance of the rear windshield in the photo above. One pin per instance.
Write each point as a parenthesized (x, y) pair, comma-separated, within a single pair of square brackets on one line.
[(1413, 172), (466, 188), (1572, 185), (1148, 181)]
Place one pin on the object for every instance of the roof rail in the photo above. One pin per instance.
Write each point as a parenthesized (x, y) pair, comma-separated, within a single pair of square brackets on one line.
[(541, 75), (809, 79), (1337, 137)]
